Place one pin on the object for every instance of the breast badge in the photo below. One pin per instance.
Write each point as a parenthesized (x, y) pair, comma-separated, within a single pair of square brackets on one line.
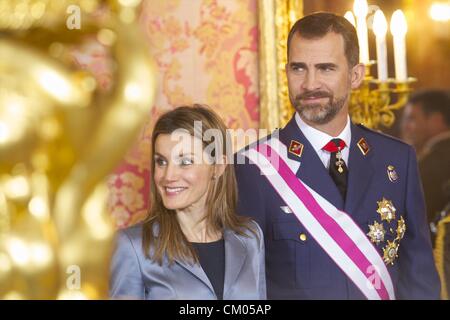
[(392, 174), (390, 252), (387, 227), (376, 232), (386, 209)]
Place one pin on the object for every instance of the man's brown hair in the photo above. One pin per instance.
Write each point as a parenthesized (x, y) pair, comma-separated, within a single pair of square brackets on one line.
[(317, 25)]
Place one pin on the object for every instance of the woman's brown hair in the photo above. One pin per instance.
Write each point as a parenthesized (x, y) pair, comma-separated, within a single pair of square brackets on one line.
[(161, 230)]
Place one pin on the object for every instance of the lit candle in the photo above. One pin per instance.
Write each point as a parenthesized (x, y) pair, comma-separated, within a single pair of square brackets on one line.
[(398, 30), (380, 29), (350, 17), (360, 9)]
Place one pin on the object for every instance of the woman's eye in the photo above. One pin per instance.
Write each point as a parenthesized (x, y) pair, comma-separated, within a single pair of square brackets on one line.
[(160, 162), (186, 162)]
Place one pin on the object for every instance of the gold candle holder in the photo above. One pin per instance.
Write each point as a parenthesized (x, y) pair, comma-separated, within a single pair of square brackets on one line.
[(372, 104)]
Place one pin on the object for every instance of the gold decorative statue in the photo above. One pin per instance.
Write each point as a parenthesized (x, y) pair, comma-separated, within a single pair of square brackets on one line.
[(59, 137)]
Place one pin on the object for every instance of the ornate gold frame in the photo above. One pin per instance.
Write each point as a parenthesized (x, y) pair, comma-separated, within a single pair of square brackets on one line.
[(275, 20)]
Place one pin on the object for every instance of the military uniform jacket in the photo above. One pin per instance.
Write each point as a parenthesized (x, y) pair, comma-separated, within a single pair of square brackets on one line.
[(383, 171), (434, 168)]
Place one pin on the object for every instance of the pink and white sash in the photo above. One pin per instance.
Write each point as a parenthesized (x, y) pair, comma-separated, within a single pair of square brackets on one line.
[(333, 229)]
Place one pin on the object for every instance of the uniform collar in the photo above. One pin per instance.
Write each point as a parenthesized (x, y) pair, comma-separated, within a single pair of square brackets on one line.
[(319, 139), (314, 174), (435, 140)]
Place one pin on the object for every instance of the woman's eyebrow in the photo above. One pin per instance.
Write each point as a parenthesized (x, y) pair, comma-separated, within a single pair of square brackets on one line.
[(159, 155)]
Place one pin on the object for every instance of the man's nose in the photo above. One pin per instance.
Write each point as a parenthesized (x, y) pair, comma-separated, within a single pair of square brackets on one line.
[(311, 81)]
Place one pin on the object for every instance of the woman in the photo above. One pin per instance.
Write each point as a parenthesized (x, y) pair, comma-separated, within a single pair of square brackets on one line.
[(192, 245)]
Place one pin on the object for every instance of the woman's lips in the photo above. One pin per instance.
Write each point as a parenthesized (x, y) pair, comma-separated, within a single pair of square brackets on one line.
[(173, 191)]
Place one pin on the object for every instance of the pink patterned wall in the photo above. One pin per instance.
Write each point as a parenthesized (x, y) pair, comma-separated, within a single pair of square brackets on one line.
[(206, 51)]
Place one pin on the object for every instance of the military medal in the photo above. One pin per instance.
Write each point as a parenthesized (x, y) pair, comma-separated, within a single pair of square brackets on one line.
[(386, 209), (401, 229), (296, 148), (339, 162), (392, 174), (376, 232), (390, 252)]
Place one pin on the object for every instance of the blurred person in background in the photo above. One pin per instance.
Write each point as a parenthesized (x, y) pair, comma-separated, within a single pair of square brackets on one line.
[(426, 126)]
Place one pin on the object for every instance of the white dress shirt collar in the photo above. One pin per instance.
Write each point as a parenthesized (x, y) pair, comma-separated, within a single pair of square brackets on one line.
[(319, 139)]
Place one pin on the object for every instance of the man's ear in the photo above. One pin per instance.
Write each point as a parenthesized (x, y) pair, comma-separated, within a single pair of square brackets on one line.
[(357, 75)]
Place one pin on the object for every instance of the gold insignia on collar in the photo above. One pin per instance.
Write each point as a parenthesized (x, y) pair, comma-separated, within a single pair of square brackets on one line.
[(376, 232), (401, 228), (392, 174), (386, 209), (390, 252), (363, 146), (296, 148)]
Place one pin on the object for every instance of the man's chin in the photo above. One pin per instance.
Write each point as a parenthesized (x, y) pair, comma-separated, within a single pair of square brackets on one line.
[(315, 117)]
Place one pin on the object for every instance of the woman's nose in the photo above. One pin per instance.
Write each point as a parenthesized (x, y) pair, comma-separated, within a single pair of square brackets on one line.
[(171, 173)]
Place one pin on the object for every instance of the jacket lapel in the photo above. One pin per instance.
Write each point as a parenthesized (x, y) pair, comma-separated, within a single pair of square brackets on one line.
[(311, 171), (361, 170), (197, 271), (235, 253)]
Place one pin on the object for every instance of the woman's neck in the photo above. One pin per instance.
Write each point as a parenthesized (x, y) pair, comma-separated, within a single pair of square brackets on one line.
[(194, 226)]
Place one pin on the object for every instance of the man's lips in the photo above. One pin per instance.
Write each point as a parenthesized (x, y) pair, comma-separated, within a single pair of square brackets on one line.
[(312, 99)]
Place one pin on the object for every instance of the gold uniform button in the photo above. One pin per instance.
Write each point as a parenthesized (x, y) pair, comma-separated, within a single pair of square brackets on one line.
[(302, 237)]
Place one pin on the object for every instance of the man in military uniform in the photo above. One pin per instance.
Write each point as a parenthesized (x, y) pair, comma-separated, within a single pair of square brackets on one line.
[(442, 250), (340, 205), (426, 125)]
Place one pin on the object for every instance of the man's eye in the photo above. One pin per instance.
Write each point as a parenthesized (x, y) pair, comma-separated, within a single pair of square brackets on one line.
[(327, 69)]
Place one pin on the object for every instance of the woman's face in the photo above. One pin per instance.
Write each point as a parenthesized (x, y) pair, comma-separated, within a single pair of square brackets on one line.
[(182, 174)]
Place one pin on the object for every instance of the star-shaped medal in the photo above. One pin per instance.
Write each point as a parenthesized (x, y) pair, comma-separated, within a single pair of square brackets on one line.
[(376, 232), (386, 209), (390, 252)]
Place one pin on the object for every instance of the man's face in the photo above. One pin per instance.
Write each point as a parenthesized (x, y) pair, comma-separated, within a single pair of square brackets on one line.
[(414, 126), (319, 77)]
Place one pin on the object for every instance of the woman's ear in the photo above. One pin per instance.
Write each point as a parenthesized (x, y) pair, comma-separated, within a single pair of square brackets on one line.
[(357, 74)]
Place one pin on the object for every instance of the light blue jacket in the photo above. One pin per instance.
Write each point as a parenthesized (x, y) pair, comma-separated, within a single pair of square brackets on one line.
[(135, 277)]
